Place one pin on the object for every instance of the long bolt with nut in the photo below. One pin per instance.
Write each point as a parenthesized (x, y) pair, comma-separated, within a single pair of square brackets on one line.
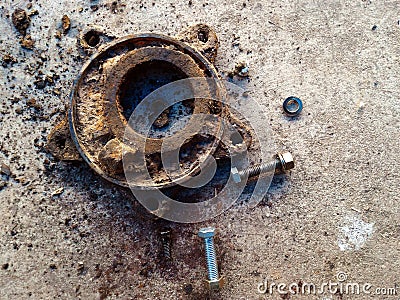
[(280, 163), (214, 281)]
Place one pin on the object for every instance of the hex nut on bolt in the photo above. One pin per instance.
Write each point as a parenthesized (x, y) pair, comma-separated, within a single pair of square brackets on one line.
[(235, 175), (286, 161)]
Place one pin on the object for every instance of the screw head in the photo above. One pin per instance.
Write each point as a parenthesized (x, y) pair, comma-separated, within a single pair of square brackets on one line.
[(206, 232), (235, 175)]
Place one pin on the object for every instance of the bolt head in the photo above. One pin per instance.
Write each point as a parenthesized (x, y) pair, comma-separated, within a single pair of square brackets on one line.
[(215, 285), (287, 160), (206, 232), (235, 175)]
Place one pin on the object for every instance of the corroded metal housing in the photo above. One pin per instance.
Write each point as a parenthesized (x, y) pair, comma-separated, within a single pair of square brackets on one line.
[(116, 78)]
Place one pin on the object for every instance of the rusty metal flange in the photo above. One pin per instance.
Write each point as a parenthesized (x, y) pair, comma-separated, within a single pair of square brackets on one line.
[(111, 84)]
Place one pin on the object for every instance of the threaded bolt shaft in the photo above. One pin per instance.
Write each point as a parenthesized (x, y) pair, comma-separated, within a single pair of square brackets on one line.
[(280, 164), (258, 169), (211, 258)]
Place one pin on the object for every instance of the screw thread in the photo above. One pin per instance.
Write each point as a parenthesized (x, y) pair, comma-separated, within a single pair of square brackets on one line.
[(258, 169), (166, 244), (211, 259), (167, 250)]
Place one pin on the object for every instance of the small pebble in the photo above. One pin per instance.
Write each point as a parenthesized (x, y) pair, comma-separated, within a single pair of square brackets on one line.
[(33, 13), (361, 105), (31, 102), (21, 20), (4, 169), (22, 180), (27, 42), (58, 35), (2, 184), (58, 192), (66, 23)]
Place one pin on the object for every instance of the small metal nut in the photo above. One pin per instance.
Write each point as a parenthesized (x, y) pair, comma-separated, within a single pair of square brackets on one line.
[(216, 284), (287, 160), (206, 232), (235, 175), (292, 106)]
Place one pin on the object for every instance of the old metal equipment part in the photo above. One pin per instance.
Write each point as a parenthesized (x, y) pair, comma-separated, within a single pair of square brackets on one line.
[(112, 83)]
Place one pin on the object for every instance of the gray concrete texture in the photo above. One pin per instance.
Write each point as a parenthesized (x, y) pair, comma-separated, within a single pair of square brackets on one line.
[(67, 234)]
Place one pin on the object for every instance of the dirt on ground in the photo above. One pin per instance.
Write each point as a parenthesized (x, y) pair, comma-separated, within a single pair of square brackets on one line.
[(67, 233)]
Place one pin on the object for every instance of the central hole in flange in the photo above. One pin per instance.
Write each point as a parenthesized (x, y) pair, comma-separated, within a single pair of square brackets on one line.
[(142, 80)]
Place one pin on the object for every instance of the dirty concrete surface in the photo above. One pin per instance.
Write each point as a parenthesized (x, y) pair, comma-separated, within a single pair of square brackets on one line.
[(65, 233)]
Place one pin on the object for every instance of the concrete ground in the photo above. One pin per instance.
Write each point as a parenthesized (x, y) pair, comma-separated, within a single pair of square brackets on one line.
[(65, 233)]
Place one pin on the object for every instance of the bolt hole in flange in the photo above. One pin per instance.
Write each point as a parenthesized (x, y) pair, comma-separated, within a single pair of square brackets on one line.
[(193, 148), (60, 142), (202, 35), (92, 38), (236, 138), (142, 80)]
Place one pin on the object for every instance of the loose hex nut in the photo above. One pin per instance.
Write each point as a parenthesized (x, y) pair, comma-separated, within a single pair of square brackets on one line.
[(292, 106)]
